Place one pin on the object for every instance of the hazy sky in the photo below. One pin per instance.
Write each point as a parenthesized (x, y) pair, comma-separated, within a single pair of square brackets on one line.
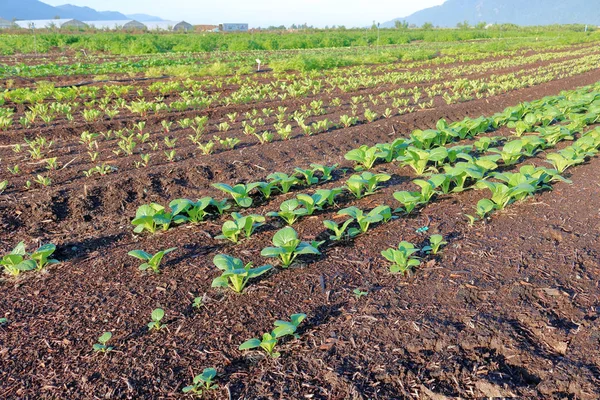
[(264, 12)]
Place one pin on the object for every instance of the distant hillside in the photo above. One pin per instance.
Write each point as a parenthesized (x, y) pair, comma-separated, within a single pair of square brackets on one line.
[(520, 12), (35, 9), (88, 14)]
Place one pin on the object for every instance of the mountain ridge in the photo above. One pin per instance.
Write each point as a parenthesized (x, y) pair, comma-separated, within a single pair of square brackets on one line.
[(35, 9), (532, 12)]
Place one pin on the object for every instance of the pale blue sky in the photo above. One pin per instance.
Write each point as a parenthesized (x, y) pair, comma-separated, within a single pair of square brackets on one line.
[(264, 12)]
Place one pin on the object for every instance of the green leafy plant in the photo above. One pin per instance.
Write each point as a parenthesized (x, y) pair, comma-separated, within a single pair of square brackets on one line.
[(14, 263), (435, 243), (284, 181), (202, 382), (41, 256), (402, 258), (235, 274), (151, 261), (380, 213), (101, 346), (152, 216), (288, 247), (195, 211), (359, 293), (289, 211), (245, 225), (240, 192), (365, 183), (339, 231), (324, 170), (410, 200), (270, 340), (157, 316), (364, 156)]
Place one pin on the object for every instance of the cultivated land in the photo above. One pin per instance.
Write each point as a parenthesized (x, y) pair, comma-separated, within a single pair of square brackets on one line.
[(508, 307)]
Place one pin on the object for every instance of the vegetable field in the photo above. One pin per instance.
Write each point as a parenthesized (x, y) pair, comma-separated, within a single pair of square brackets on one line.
[(415, 221)]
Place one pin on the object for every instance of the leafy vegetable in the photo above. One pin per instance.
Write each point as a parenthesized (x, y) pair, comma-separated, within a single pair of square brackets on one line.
[(202, 382), (245, 225), (402, 258), (270, 340), (101, 346), (152, 261), (288, 246), (235, 274), (240, 192), (157, 315)]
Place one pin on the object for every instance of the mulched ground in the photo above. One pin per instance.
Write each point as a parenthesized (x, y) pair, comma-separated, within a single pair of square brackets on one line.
[(509, 308)]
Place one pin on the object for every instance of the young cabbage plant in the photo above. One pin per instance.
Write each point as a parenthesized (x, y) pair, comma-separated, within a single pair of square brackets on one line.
[(152, 216), (435, 243), (428, 187), (284, 181), (202, 382), (241, 225), (378, 214), (313, 202), (41, 256), (329, 194), (511, 153), (390, 151), (157, 316), (152, 262), (324, 170), (308, 175), (240, 193), (220, 205), (502, 194), (341, 231), (565, 158), (402, 258), (288, 247), (196, 211), (409, 200), (270, 340), (419, 159), (14, 263), (365, 183), (267, 188), (101, 346), (289, 211), (424, 139), (235, 274), (364, 157)]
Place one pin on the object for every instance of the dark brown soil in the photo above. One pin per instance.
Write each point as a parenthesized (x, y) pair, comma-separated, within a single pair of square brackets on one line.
[(509, 308)]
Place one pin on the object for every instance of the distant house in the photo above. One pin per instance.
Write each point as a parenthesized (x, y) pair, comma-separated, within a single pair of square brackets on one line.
[(233, 27), (6, 24), (205, 28), (51, 24), (119, 25)]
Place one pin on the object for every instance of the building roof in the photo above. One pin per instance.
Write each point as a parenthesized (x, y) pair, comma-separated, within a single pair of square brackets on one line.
[(46, 23), (113, 24)]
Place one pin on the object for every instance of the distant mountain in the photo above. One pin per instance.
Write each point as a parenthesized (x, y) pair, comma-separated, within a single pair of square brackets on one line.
[(88, 14), (520, 12), (35, 9), (144, 18)]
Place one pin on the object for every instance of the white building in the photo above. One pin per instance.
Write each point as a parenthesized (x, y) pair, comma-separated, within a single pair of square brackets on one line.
[(50, 24), (233, 27), (169, 26), (118, 25), (6, 24)]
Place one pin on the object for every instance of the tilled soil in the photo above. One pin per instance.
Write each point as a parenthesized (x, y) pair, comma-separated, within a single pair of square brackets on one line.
[(509, 308)]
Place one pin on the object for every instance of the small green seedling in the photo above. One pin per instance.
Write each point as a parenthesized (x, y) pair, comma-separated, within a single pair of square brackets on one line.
[(239, 193), (246, 225), (289, 211), (435, 243), (359, 293), (3, 321), (40, 256), (101, 346), (340, 231), (14, 263), (402, 258), (235, 275), (152, 261), (269, 340), (288, 246), (157, 315), (198, 302), (202, 382)]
